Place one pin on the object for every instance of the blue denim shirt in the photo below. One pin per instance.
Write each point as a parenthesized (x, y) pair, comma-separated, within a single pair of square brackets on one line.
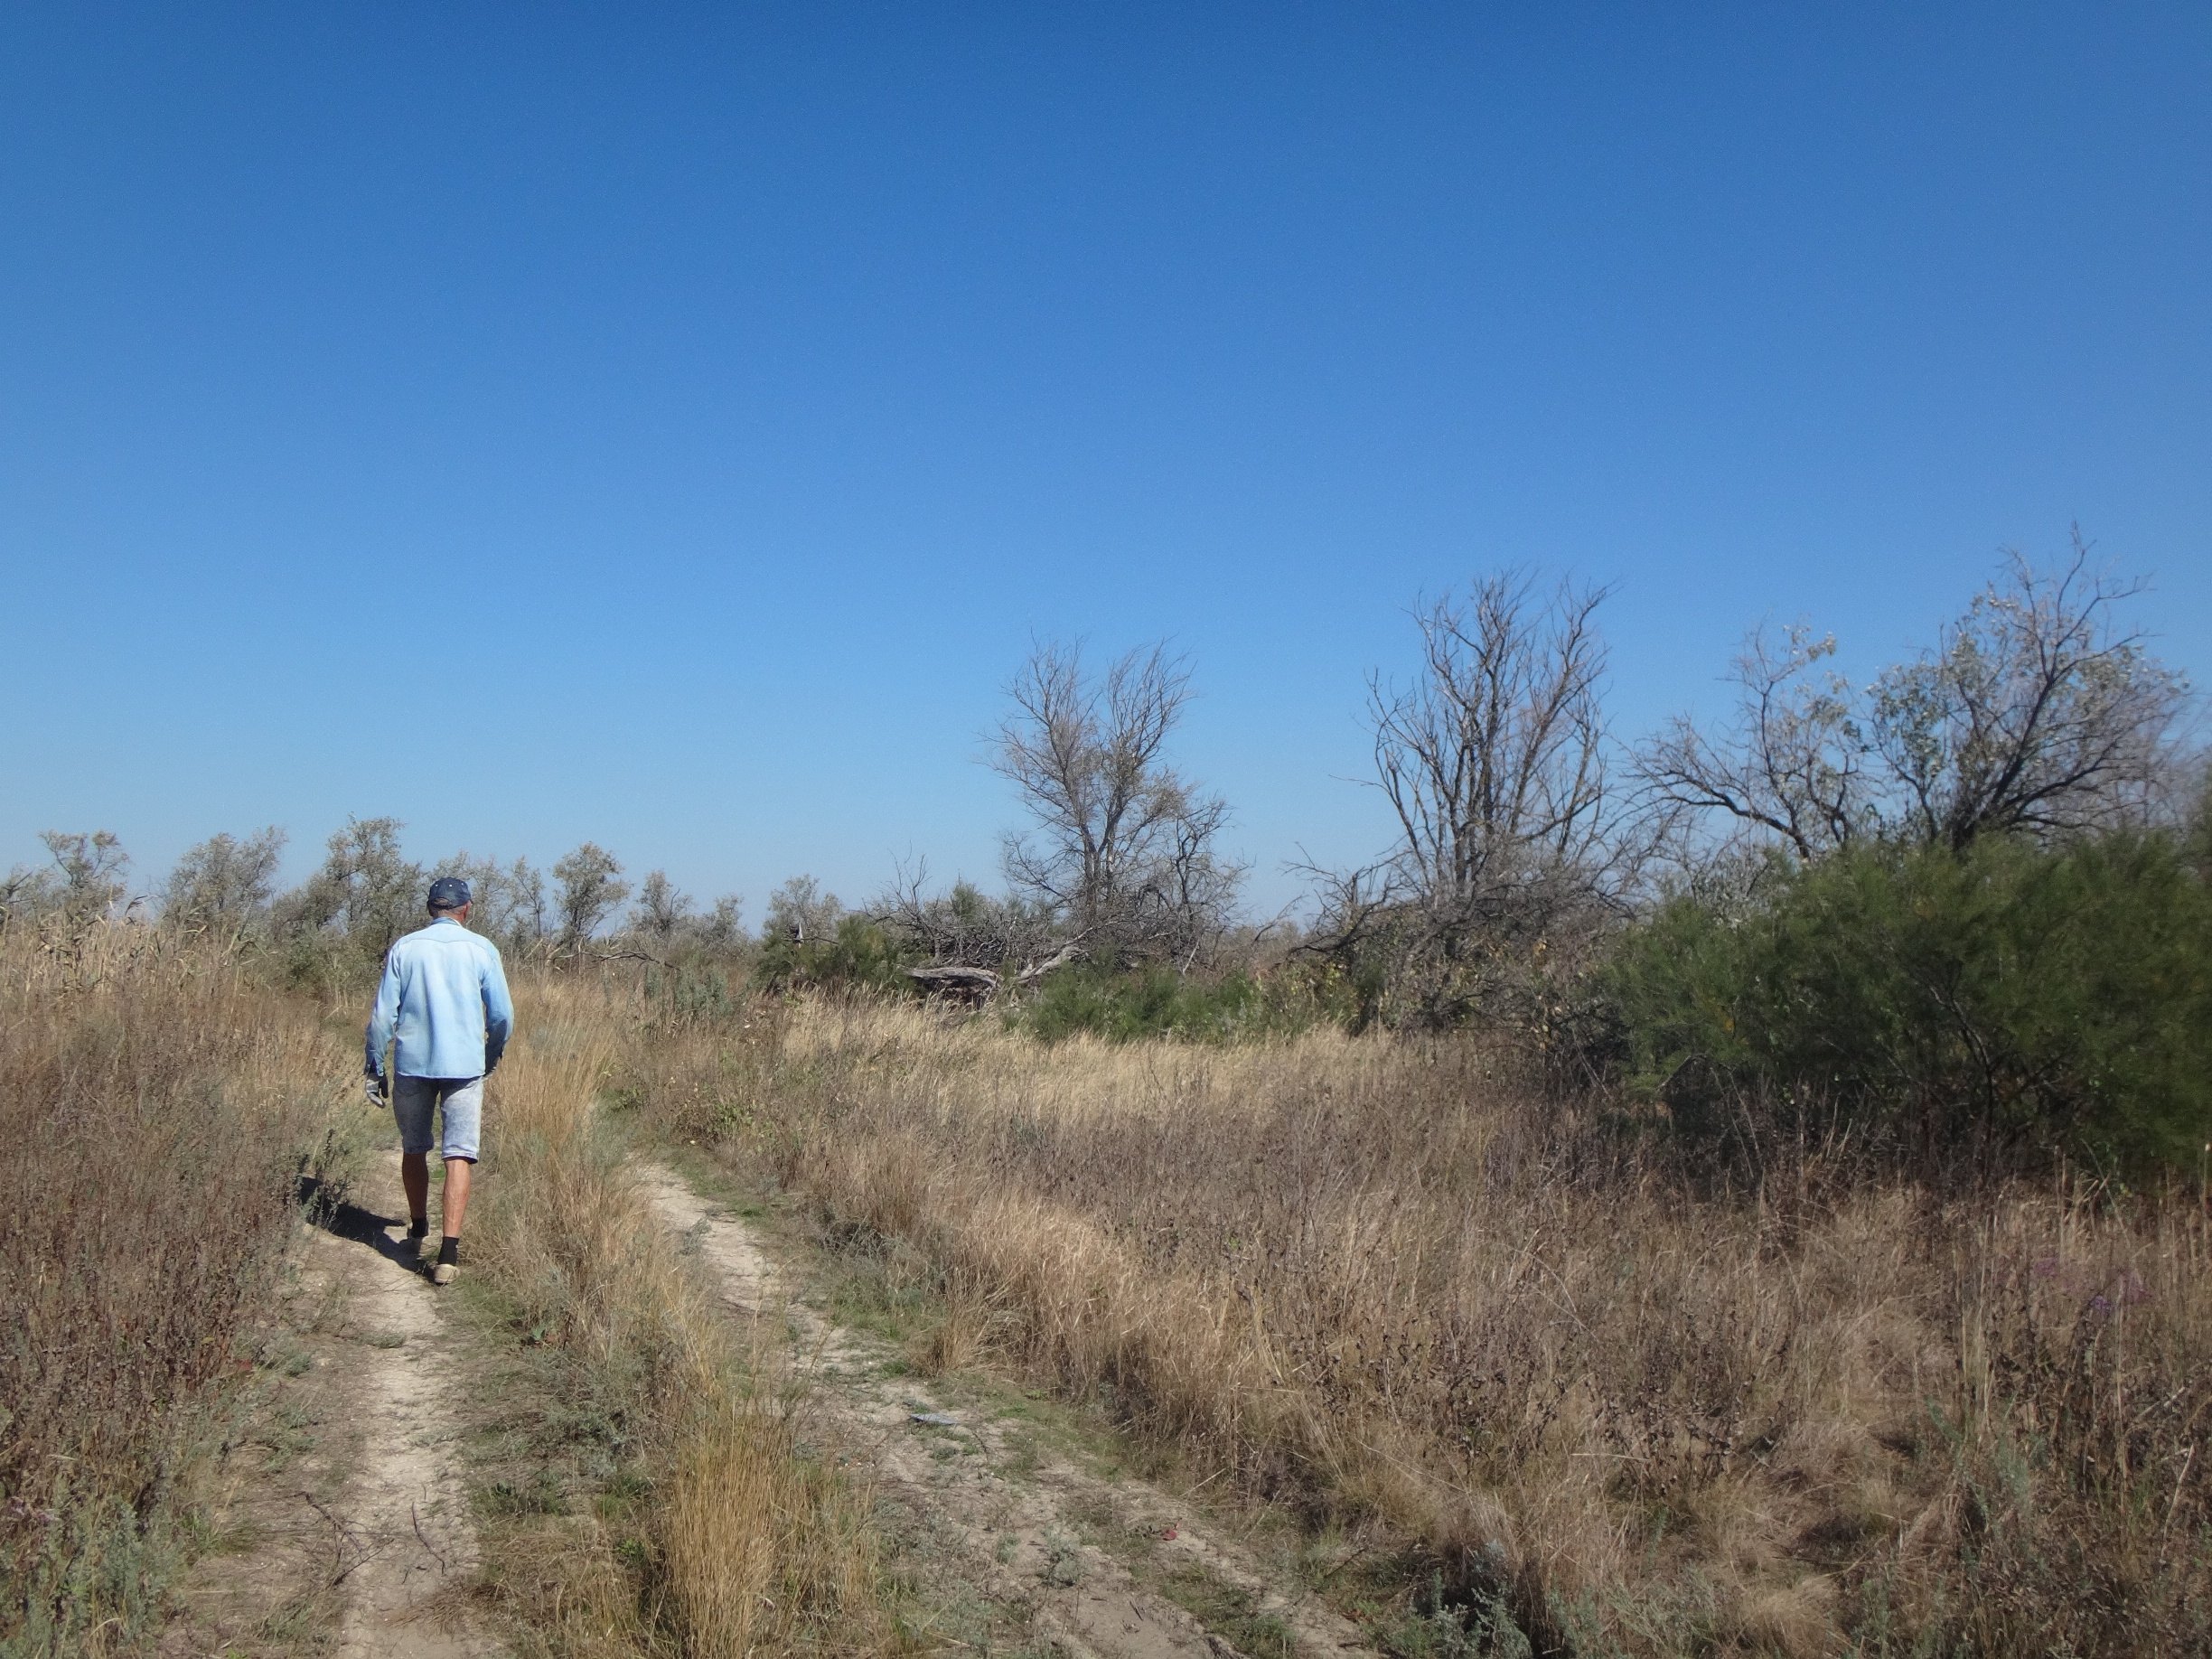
[(444, 998)]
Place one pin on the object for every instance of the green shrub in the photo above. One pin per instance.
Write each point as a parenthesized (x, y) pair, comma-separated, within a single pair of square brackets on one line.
[(1122, 1006), (683, 994), (2003, 1001), (859, 956)]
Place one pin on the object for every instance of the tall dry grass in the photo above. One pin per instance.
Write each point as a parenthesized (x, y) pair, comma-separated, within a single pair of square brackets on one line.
[(155, 1110), (1388, 1284), (752, 1548)]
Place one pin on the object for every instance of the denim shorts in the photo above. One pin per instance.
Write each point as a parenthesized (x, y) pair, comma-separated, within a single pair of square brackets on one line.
[(458, 1099)]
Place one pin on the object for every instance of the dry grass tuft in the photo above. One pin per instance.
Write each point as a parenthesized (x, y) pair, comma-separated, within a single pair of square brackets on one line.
[(961, 1337), (1388, 1283), (763, 1551)]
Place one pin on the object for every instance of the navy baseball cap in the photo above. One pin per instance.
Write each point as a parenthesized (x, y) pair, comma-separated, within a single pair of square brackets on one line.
[(448, 892)]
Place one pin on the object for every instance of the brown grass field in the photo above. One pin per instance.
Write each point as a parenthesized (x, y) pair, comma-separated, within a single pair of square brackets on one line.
[(1388, 1287), (1475, 1343)]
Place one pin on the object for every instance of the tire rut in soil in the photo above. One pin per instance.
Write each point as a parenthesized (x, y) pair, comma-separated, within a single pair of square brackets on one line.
[(1017, 1540)]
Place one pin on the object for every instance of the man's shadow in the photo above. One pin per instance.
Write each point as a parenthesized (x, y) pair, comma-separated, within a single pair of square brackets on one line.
[(344, 1219)]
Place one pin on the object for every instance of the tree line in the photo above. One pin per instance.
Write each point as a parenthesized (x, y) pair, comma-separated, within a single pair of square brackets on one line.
[(1861, 901), (363, 895)]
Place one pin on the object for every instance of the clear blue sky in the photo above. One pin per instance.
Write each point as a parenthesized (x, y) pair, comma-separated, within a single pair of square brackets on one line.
[(670, 425)]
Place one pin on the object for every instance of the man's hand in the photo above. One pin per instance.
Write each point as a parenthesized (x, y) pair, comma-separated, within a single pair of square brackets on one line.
[(372, 1090)]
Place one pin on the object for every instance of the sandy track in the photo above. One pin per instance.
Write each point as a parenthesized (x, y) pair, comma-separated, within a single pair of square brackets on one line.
[(345, 1486), (405, 1514), (1018, 1537)]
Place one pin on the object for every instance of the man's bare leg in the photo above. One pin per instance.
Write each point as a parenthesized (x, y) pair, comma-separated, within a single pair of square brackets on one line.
[(455, 1206), (415, 1181), (457, 1173)]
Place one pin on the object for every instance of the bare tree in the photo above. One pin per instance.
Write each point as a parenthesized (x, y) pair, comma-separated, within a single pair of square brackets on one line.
[(1193, 888), (1086, 758), (224, 886), (1121, 847), (1795, 763), (1493, 761), (590, 889), (528, 917), (2033, 712)]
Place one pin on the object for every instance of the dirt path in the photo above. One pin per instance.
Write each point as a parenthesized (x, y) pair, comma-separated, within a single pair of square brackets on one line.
[(406, 1512), (1027, 1537), (344, 1521)]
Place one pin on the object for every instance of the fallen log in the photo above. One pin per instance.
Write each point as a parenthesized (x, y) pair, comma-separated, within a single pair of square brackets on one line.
[(974, 984)]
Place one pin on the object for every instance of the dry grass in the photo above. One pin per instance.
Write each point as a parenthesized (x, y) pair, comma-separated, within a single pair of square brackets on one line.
[(1388, 1285), (1383, 1284), (751, 1548), (154, 1108), (157, 1106)]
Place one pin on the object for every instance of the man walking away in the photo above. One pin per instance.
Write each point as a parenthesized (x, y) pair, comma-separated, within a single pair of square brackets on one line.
[(444, 999)]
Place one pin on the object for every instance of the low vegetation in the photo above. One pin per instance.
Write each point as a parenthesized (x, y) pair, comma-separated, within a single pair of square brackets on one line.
[(162, 1098), (1561, 1371), (705, 1531), (2002, 1008), (155, 1107)]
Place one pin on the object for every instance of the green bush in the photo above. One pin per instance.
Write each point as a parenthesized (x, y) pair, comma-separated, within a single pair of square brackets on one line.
[(687, 995), (2003, 1001), (1122, 1006), (859, 956)]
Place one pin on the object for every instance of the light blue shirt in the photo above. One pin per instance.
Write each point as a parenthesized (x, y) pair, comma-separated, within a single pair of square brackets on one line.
[(444, 999)]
